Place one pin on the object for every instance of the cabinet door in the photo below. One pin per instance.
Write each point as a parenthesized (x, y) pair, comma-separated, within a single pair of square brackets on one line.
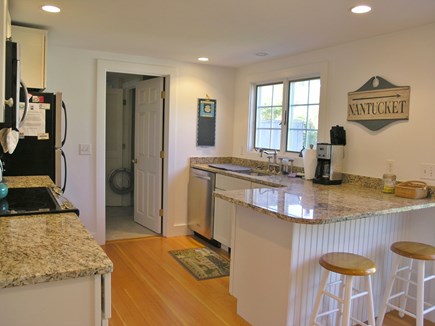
[(223, 219), (71, 302), (224, 210), (33, 46)]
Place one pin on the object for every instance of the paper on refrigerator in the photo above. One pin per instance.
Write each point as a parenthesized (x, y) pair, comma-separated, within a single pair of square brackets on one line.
[(34, 123)]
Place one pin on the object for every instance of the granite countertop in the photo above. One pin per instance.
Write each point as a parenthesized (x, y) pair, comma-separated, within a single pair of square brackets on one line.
[(46, 247), (28, 182), (300, 201), (304, 202)]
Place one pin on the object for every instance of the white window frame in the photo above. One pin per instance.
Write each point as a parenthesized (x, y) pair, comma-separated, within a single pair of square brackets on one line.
[(290, 74)]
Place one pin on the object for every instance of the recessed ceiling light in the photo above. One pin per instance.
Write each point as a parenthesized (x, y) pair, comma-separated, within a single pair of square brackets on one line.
[(203, 59), (50, 8), (362, 9), (261, 54)]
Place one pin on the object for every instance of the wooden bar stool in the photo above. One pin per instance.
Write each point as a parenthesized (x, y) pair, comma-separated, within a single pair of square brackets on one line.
[(348, 266), (412, 251)]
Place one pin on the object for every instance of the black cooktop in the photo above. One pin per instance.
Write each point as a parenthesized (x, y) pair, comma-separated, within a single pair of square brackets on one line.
[(25, 201)]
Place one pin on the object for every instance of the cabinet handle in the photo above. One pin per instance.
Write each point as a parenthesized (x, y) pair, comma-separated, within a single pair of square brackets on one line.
[(201, 177)]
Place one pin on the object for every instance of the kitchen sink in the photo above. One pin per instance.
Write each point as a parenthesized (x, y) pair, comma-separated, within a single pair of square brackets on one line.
[(255, 173)]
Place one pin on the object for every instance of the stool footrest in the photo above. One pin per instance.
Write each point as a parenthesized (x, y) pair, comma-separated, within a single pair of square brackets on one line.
[(428, 310), (329, 294), (405, 280), (431, 307), (359, 294), (359, 322), (406, 312), (326, 313), (403, 311)]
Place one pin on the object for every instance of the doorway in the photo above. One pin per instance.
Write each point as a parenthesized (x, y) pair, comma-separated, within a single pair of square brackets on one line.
[(128, 212), (103, 67)]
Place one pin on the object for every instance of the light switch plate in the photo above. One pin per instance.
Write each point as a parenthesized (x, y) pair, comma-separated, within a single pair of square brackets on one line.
[(85, 149)]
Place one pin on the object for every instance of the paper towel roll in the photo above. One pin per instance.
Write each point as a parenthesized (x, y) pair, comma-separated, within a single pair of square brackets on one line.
[(310, 162)]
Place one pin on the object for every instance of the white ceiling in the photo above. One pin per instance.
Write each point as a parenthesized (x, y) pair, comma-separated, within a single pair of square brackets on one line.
[(229, 32)]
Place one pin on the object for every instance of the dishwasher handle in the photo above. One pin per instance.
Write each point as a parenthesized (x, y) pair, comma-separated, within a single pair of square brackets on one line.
[(201, 177)]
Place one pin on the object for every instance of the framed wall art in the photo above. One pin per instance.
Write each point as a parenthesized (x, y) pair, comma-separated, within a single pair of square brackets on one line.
[(206, 129)]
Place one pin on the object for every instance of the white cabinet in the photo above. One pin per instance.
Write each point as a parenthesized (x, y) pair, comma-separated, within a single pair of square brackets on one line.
[(223, 220), (82, 301), (224, 210), (33, 55)]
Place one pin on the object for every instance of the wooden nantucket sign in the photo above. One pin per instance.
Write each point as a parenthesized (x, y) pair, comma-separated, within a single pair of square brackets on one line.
[(378, 103)]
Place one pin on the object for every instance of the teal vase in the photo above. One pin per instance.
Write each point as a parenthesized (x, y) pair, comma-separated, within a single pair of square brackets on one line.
[(3, 190)]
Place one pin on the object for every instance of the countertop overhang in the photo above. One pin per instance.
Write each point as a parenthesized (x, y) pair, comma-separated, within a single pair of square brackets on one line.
[(300, 201), (308, 203)]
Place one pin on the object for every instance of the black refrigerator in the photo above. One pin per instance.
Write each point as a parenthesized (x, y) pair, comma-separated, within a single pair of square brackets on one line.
[(41, 137)]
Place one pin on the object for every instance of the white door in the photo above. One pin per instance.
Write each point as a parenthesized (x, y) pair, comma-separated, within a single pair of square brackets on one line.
[(148, 144), (113, 140)]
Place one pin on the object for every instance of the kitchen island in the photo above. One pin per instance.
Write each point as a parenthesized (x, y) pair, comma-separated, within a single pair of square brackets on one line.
[(52, 271), (279, 234)]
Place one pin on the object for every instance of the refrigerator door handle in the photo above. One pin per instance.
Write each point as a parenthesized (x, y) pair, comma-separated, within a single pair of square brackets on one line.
[(64, 170), (26, 106), (65, 124), (59, 157)]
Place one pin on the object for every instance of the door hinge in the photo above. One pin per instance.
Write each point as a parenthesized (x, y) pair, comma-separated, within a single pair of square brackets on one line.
[(162, 94), (161, 212), (162, 154), (124, 102)]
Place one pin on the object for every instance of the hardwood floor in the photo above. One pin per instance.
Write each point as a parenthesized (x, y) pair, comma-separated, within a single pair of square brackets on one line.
[(149, 287)]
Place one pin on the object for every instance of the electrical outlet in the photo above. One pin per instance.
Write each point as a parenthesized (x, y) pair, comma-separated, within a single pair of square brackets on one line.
[(427, 171), (85, 149), (390, 166)]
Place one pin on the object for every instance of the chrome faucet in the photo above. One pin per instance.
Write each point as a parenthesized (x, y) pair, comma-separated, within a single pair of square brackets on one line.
[(300, 152), (271, 153), (268, 152), (272, 167)]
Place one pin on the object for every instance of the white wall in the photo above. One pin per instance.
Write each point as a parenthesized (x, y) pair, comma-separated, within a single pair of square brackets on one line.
[(404, 59), (74, 72)]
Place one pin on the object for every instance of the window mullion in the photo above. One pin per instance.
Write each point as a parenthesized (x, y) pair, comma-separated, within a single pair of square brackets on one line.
[(285, 116)]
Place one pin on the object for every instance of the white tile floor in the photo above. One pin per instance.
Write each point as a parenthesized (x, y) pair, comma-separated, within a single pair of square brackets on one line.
[(120, 224)]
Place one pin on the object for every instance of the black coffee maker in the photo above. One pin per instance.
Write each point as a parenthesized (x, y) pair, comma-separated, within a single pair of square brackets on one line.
[(330, 158)]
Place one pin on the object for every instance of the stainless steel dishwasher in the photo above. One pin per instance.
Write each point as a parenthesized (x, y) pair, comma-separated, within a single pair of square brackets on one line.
[(201, 202)]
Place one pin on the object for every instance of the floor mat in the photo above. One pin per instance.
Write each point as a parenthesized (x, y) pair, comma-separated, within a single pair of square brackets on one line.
[(202, 263)]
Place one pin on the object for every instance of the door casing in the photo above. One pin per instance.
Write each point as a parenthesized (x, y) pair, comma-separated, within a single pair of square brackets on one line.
[(103, 67)]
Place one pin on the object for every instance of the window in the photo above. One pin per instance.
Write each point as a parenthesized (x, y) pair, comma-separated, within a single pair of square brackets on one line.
[(268, 116), (287, 114)]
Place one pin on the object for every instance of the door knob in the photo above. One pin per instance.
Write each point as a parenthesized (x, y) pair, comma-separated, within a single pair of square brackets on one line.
[(134, 161)]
